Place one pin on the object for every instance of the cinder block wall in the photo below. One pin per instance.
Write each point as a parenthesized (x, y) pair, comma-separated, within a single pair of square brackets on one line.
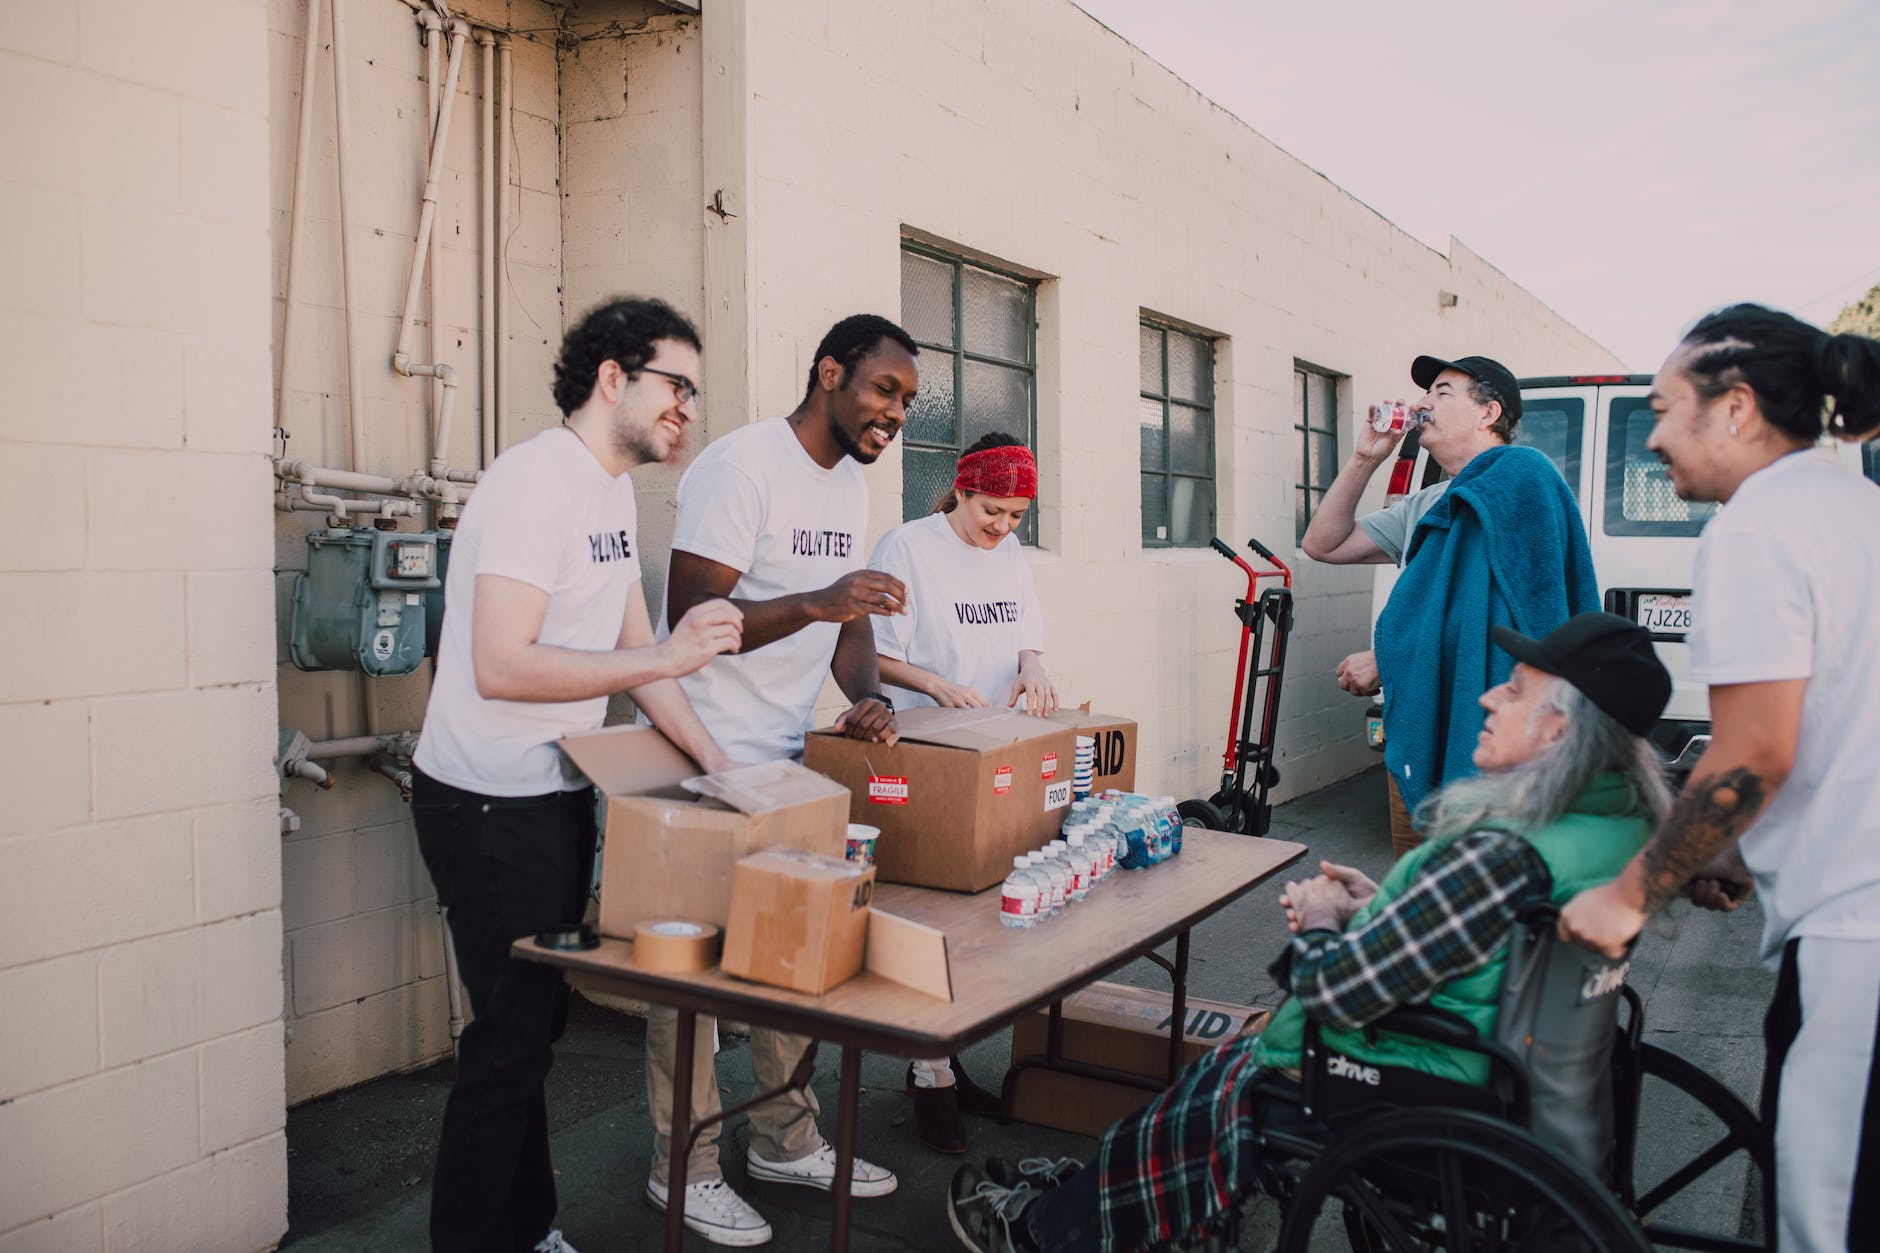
[(140, 929), (1025, 132), (365, 983)]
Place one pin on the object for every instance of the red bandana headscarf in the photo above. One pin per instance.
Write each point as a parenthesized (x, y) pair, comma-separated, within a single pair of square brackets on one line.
[(1006, 471)]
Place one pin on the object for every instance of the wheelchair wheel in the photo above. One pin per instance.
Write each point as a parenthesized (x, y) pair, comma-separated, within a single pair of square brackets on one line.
[(1685, 1198), (1419, 1180)]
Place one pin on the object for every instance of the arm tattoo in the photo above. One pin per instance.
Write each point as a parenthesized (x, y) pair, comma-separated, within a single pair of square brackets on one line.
[(1707, 817)]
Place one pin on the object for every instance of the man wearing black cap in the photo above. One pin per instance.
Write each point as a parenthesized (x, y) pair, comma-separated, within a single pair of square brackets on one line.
[(1498, 543), (1567, 791)]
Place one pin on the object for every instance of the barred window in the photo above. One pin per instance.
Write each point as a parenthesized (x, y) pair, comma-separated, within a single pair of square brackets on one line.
[(1175, 427), (977, 331)]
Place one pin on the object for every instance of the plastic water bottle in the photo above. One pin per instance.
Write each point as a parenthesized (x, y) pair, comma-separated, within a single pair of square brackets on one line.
[(1018, 899), (1057, 879), (1077, 863), (1176, 825)]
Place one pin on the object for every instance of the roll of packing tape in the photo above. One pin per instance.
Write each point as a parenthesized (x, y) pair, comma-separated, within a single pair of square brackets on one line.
[(674, 946)]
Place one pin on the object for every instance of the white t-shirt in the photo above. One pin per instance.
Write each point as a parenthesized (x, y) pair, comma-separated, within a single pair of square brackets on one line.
[(970, 611), (1788, 587), (1391, 527), (548, 514), (757, 502)]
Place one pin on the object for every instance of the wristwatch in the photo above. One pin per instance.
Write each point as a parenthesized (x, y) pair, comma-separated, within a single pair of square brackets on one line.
[(882, 697)]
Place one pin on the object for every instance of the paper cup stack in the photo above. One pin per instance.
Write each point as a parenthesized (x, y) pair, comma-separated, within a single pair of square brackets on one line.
[(1086, 774)]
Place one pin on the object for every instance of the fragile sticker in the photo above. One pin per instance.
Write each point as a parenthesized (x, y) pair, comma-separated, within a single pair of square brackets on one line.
[(1057, 795), (887, 789), (1002, 780), (1047, 769)]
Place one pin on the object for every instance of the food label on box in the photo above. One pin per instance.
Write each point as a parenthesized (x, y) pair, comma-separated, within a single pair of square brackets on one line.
[(1002, 780), (887, 789), (1047, 769), (1057, 795)]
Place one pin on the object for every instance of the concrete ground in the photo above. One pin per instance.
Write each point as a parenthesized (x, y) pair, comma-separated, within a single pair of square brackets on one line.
[(359, 1162)]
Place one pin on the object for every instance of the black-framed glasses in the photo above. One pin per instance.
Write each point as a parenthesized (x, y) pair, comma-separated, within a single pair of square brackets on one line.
[(684, 388)]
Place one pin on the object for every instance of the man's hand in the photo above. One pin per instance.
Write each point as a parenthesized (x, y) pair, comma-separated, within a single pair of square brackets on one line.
[(867, 719), (1605, 919), (708, 628), (1357, 673), (856, 595), (1375, 446), (1358, 884), (949, 695), (1722, 883), (1317, 904), (1035, 686)]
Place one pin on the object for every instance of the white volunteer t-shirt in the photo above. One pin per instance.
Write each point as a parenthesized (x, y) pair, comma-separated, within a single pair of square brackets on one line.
[(1788, 587), (970, 611), (547, 514), (757, 502)]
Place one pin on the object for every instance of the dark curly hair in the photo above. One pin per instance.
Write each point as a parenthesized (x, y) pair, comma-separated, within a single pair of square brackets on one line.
[(852, 339), (623, 331), (1807, 382)]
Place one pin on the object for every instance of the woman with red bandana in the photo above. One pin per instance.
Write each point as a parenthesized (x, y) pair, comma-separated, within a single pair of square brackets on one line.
[(969, 637)]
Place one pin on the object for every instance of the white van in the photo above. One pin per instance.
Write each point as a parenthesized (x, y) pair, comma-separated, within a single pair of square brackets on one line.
[(1644, 539)]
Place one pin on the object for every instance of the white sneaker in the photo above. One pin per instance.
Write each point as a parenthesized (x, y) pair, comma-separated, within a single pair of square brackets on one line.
[(714, 1211), (554, 1242), (818, 1170)]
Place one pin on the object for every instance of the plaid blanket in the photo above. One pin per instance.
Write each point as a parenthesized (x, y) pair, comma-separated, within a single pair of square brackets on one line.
[(1178, 1163)]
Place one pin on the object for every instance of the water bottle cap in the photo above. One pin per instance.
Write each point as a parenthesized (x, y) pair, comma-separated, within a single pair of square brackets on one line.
[(1018, 862)]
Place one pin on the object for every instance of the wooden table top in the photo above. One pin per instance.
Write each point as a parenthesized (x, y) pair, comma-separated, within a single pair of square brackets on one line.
[(999, 974)]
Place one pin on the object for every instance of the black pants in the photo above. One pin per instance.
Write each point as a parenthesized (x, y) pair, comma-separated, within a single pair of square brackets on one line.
[(504, 867)]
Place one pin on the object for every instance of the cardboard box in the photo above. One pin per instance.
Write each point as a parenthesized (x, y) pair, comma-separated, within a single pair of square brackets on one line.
[(670, 853), (964, 792), (798, 921), (1123, 1028), (1116, 745)]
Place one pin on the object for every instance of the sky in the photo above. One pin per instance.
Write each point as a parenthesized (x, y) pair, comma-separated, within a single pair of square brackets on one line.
[(1633, 163)]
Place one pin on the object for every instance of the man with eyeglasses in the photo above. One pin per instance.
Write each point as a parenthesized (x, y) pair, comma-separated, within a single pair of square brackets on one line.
[(546, 620), (774, 516)]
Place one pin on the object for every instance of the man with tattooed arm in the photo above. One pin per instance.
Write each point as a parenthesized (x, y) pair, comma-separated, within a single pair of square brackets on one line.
[(1787, 587)]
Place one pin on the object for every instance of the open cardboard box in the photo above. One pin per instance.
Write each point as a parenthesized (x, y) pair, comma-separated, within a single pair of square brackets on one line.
[(961, 794), (669, 852)]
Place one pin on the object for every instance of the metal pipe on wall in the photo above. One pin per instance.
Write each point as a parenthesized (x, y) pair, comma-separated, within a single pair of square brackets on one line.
[(342, 118), (440, 455), (504, 137), (296, 219), (486, 256)]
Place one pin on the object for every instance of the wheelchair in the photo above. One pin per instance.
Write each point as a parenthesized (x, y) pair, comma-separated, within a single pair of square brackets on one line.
[(1544, 1156)]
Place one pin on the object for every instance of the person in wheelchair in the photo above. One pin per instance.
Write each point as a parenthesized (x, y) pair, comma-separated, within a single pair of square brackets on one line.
[(1568, 792)]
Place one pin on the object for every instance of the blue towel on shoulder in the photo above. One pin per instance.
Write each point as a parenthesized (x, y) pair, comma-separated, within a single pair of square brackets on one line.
[(1503, 546)]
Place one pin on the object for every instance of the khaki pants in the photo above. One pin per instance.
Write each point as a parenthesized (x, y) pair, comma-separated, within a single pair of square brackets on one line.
[(1403, 836), (781, 1130)]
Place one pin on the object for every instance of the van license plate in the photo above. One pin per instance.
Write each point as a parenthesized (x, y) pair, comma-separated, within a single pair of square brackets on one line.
[(1665, 615)]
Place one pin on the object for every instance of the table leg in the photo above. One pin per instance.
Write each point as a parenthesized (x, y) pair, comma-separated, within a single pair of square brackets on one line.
[(1054, 1031), (850, 1097), (681, 1132), (1178, 1007)]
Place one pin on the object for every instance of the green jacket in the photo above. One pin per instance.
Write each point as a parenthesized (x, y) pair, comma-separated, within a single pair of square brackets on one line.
[(1584, 847)]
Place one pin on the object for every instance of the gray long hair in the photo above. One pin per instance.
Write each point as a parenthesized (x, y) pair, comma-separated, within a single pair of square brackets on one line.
[(1529, 796)]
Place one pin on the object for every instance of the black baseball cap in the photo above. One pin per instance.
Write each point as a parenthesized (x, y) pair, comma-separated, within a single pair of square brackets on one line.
[(1609, 658), (1423, 372)]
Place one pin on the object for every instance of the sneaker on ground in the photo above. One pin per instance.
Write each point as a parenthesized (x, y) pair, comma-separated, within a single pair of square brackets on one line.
[(554, 1242), (1039, 1172), (714, 1211), (818, 1170), (985, 1215)]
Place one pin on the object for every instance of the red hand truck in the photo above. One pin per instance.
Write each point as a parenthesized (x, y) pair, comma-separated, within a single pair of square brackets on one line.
[(1247, 770)]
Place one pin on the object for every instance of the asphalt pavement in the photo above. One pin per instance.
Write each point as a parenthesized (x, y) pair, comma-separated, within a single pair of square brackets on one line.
[(359, 1162)]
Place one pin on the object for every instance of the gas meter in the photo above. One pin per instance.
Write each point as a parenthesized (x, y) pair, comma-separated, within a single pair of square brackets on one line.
[(361, 603), (434, 599)]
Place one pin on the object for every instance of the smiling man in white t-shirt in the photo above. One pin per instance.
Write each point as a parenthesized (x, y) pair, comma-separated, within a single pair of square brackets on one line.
[(774, 517), (546, 620)]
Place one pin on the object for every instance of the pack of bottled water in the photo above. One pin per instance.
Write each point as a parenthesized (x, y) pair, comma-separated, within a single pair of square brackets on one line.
[(1102, 833)]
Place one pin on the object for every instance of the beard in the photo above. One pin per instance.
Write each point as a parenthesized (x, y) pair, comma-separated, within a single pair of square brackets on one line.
[(641, 443), (850, 445)]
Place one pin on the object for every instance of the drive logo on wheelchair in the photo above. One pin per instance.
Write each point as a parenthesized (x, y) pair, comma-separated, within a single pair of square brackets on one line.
[(1338, 1066), (1603, 981)]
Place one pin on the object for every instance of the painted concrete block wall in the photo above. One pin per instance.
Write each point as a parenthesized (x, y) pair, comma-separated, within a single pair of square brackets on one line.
[(141, 1072), (365, 989), (1026, 133)]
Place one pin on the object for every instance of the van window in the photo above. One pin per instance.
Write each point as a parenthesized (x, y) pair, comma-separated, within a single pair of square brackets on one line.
[(1870, 461), (1639, 499), (1554, 426)]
